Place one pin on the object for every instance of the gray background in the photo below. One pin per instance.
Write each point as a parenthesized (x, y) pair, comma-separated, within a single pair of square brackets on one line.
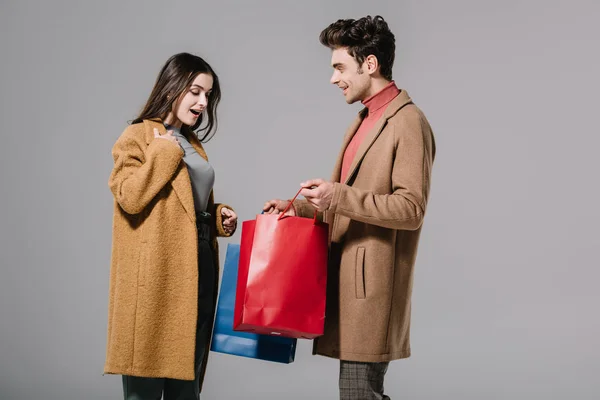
[(505, 300)]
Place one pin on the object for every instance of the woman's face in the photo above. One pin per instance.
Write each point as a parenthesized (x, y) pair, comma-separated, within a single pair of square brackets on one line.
[(187, 109)]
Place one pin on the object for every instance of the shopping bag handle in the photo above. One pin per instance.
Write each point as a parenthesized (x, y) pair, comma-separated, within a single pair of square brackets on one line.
[(291, 204)]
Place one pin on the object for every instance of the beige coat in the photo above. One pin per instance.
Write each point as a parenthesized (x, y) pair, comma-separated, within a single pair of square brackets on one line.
[(154, 268), (375, 220)]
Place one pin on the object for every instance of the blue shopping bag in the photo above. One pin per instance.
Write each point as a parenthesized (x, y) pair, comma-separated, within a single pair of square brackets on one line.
[(226, 340)]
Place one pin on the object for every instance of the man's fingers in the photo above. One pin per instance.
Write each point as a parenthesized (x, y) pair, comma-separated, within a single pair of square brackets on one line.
[(270, 204), (312, 182), (308, 193), (275, 206), (312, 203)]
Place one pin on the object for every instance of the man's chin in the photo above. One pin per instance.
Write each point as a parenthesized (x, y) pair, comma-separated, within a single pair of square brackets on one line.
[(350, 100)]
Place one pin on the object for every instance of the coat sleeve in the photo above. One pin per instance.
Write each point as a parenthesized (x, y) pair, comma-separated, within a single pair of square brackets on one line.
[(404, 208), (139, 175)]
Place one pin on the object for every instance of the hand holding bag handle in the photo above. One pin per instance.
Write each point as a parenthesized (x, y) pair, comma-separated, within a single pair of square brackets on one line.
[(291, 203), (291, 256)]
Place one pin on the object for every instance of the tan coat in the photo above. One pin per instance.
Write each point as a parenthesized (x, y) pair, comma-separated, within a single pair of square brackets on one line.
[(154, 268), (375, 220)]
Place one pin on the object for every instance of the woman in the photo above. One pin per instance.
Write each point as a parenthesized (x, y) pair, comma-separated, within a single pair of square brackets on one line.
[(164, 268)]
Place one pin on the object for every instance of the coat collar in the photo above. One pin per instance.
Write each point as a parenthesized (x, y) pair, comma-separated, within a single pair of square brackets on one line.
[(181, 181), (393, 107)]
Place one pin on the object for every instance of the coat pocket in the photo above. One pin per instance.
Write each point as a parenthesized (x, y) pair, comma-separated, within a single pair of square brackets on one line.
[(360, 273)]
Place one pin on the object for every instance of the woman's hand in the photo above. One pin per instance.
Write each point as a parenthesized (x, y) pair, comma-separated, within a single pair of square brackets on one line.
[(167, 136), (229, 220)]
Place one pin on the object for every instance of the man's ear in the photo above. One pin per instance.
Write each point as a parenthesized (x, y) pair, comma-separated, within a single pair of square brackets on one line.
[(372, 64)]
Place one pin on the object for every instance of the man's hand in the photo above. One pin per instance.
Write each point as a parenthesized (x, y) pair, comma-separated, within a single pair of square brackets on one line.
[(277, 206), (318, 192)]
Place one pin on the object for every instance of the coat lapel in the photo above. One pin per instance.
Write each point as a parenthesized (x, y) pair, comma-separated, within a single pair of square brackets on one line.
[(195, 142), (364, 147), (181, 181), (197, 145), (395, 105), (337, 171)]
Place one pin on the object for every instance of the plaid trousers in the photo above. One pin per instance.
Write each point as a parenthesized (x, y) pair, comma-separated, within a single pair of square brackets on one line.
[(362, 380)]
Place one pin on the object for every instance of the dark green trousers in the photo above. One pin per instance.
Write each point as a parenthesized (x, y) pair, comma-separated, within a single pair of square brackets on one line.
[(138, 388)]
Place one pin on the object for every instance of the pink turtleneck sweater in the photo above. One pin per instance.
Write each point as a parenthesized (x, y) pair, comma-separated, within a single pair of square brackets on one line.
[(375, 105)]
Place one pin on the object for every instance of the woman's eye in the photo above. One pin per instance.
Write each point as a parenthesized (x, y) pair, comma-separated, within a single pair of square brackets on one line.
[(195, 93)]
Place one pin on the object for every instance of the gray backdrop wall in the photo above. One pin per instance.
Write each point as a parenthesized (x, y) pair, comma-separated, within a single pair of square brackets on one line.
[(506, 290)]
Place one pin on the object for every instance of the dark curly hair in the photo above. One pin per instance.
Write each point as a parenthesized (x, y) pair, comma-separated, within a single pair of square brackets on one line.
[(362, 38)]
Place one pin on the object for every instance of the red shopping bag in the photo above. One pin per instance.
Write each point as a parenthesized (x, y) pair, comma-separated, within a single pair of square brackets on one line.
[(282, 276)]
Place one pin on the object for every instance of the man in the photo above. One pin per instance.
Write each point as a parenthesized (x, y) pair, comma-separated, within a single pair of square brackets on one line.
[(374, 206)]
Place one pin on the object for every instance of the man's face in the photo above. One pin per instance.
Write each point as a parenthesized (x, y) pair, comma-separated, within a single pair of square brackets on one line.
[(349, 76)]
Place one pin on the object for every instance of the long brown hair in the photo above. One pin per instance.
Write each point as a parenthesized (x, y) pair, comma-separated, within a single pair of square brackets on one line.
[(176, 77)]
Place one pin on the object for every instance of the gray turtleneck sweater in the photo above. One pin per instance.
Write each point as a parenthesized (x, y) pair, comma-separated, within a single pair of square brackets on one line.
[(202, 174)]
